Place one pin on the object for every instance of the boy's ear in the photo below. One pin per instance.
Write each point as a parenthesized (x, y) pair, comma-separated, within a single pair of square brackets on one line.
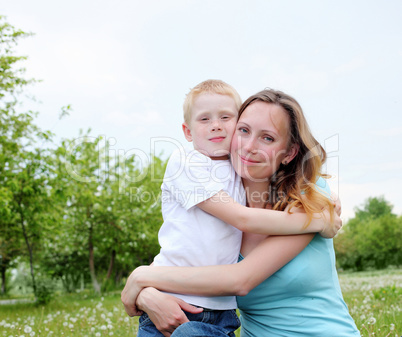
[(187, 132), (292, 152)]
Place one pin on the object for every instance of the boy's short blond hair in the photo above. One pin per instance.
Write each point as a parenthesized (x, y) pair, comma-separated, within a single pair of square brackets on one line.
[(209, 87)]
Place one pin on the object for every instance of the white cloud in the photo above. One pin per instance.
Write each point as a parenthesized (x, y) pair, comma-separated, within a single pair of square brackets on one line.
[(352, 65), (147, 118), (354, 195), (295, 78), (391, 132)]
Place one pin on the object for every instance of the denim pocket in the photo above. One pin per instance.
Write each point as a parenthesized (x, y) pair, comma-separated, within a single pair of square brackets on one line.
[(144, 320), (231, 322), (236, 318)]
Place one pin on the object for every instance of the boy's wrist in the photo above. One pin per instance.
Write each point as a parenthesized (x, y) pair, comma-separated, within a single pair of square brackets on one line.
[(317, 225)]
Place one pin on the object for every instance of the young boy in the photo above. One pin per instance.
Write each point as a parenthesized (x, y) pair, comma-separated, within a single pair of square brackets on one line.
[(189, 236), (200, 181)]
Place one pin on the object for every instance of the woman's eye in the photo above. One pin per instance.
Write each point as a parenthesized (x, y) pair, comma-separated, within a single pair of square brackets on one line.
[(243, 130), (268, 138)]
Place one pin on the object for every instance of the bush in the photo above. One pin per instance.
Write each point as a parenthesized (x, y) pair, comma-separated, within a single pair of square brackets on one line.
[(44, 291), (371, 240)]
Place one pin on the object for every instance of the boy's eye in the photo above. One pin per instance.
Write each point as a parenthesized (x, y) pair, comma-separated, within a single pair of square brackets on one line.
[(204, 119)]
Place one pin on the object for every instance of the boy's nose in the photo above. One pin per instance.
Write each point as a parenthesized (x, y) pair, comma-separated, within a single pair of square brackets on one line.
[(216, 126)]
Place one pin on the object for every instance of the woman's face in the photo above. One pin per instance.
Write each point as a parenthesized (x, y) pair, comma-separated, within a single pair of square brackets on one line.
[(261, 141)]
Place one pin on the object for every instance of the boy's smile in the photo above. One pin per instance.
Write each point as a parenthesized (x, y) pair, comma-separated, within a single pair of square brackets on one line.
[(217, 139), (213, 121)]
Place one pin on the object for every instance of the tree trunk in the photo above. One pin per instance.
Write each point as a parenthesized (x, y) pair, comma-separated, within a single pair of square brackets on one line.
[(111, 264), (92, 262), (24, 232), (3, 278)]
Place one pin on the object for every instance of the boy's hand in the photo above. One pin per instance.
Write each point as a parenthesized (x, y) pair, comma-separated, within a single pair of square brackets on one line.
[(164, 310), (337, 203), (330, 228)]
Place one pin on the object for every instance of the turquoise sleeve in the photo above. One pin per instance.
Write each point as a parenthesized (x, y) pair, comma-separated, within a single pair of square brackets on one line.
[(323, 187)]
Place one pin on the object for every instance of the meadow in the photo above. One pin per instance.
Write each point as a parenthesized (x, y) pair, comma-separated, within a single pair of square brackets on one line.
[(373, 298)]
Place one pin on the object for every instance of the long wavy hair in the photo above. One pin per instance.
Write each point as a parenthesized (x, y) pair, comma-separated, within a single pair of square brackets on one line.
[(293, 184)]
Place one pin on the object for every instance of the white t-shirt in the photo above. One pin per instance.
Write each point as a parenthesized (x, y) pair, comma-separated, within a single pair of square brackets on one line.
[(189, 236)]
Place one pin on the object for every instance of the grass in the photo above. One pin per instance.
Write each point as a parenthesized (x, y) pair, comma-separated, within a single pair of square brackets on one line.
[(68, 315), (374, 300)]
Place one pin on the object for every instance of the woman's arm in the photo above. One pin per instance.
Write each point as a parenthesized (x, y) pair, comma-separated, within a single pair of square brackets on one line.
[(236, 279), (268, 222)]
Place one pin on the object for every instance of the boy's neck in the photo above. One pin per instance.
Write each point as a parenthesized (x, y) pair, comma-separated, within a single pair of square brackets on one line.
[(220, 158), (223, 157)]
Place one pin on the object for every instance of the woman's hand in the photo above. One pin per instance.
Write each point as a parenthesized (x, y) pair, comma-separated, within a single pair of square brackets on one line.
[(164, 310), (129, 295)]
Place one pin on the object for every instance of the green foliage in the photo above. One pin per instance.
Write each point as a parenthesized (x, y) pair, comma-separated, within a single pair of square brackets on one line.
[(372, 239), (108, 213), (44, 292), (77, 212), (23, 164)]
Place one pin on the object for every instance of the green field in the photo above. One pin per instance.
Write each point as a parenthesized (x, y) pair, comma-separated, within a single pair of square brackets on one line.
[(374, 300)]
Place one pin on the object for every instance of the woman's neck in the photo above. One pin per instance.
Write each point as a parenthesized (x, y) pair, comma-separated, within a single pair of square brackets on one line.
[(256, 193)]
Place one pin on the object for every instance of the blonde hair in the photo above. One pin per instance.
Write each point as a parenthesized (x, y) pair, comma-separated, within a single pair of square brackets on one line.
[(209, 87), (293, 184)]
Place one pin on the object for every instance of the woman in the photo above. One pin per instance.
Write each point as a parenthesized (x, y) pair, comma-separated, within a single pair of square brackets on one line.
[(297, 298)]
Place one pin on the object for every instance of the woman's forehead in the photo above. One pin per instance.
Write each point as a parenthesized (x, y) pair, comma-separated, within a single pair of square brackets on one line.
[(266, 117)]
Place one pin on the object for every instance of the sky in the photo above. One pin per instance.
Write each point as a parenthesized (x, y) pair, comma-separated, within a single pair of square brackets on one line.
[(125, 67)]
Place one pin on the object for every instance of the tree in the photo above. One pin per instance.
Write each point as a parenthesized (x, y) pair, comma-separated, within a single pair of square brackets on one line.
[(22, 184), (111, 213), (372, 239), (74, 212)]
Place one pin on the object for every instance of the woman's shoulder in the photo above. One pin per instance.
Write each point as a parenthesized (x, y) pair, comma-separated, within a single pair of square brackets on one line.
[(322, 186)]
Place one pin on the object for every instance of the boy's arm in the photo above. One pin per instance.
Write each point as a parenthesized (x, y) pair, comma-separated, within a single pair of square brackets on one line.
[(268, 222)]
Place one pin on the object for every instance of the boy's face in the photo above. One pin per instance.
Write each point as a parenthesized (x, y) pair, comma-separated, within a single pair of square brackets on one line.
[(212, 124)]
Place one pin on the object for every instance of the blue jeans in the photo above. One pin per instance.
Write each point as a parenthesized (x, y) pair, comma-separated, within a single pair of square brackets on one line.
[(211, 323)]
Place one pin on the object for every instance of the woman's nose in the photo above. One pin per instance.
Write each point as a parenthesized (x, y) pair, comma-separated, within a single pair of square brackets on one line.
[(249, 145)]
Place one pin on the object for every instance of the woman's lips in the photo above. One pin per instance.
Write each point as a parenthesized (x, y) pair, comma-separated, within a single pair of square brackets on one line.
[(217, 139), (247, 160)]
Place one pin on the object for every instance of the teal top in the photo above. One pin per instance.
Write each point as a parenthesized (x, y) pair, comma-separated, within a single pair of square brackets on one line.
[(303, 298)]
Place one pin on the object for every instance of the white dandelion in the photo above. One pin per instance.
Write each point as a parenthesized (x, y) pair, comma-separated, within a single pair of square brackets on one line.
[(27, 329)]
